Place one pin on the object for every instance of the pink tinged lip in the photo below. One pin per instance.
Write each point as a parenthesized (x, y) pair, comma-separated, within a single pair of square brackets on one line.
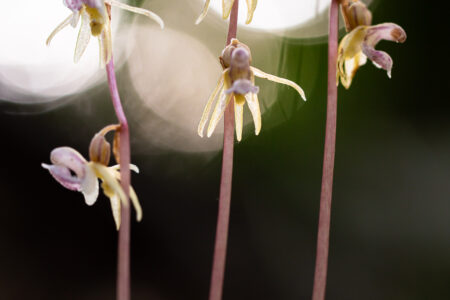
[(74, 5), (242, 87), (64, 177)]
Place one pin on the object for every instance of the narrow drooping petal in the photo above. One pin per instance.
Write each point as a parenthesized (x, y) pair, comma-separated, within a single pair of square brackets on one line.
[(83, 36), (207, 109), (218, 112), (227, 5), (251, 6), (204, 13), (110, 183), (270, 77), (253, 105), (138, 10), (133, 196), (221, 105), (60, 27), (105, 46), (239, 101), (242, 87), (136, 204), (115, 208)]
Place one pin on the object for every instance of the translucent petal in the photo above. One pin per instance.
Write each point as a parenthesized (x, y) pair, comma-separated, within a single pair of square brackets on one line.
[(385, 31), (115, 208), (253, 105), (89, 186), (221, 105), (83, 36), (251, 6), (105, 46), (133, 168), (239, 115), (109, 178), (60, 27), (207, 109), (136, 204), (219, 110), (270, 77), (138, 10), (227, 5), (203, 14), (69, 158)]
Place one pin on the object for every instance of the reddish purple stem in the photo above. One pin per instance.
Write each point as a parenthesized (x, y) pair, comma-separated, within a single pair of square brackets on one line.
[(220, 247), (123, 247), (323, 236)]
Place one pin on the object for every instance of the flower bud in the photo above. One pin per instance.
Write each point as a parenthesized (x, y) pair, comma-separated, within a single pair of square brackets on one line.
[(355, 13), (226, 57), (100, 150)]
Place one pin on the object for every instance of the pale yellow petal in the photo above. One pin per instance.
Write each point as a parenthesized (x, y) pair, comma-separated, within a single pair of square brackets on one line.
[(137, 10), (270, 77), (136, 204), (218, 112), (227, 5), (105, 46), (203, 14), (221, 105), (83, 36), (239, 102), (253, 105), (207, 109), (115, 208), (109, 178), (60, 27), (251, 6), (133, 168)]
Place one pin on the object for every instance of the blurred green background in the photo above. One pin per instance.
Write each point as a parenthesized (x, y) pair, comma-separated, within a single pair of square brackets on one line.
[(390, 235)]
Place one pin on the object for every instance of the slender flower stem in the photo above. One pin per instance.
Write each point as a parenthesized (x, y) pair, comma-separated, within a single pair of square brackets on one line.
[(123, 247), (220, 247), (323, 236)]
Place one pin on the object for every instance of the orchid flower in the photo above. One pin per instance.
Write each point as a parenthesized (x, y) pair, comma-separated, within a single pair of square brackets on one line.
[(359, 44), (95, 21), (226, 9), (75, 173), (238, 80)]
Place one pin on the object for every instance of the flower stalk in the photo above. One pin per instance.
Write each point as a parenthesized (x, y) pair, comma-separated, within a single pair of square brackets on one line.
[(323, 235), (220, 247), (123, 247)]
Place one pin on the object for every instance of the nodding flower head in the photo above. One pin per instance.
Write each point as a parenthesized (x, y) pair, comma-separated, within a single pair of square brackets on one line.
[(226, 10), (237, 82), (359, 44), (95, 21), (75, 173)]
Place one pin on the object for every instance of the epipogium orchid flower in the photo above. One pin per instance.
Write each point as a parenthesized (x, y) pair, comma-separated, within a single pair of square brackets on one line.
[(75, 173), (95, 21), (238, 80), (226, 9), (359, 44)]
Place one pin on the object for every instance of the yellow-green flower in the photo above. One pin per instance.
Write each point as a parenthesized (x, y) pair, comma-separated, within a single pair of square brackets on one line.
[(73, 172), (226, 9), (359, 44), (95, 21), (238, 80)]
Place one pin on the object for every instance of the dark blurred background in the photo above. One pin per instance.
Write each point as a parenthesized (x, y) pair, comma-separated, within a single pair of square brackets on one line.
[(390, 235)]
